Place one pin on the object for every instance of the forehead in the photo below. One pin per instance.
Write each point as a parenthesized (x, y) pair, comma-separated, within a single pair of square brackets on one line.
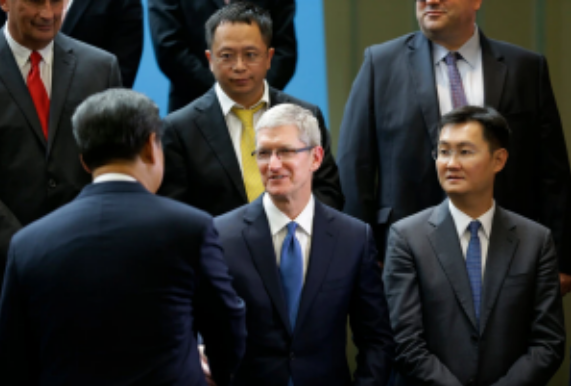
[(228, 33), (462, 132), (278, 136)]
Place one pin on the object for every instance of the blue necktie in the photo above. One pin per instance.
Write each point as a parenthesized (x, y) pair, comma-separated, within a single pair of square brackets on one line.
[(474, 266), (456, 86), (291, 271)]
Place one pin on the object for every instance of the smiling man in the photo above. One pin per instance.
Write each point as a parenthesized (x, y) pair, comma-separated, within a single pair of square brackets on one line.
[(44, 76), (472, 288), (208, 144), (303, 268)]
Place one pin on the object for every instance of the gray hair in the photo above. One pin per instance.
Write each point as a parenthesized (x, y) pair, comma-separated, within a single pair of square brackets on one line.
[(287, 114)]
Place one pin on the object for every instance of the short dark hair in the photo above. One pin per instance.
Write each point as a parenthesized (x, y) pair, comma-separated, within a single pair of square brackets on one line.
[(115, 125), (495, 128), (240, 12)]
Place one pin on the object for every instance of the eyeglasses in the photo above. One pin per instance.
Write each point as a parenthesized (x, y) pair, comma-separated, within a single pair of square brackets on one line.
[(264, 155), (447, 154), (229, 59)]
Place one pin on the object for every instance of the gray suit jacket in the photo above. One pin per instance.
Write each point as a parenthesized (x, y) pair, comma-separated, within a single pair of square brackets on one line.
[(37, 176), (521, 337)]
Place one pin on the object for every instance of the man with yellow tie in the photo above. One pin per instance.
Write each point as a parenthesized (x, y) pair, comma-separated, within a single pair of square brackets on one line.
[(209, 143)]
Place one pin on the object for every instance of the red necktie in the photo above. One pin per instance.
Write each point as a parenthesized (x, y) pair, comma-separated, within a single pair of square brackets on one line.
[(38, 92)]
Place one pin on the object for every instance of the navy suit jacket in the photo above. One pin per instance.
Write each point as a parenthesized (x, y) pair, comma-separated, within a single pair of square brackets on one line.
[(112, 288), (343, 280)]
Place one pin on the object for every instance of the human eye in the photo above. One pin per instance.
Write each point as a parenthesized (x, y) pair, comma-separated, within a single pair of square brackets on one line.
[(263, 154), (467, 152), (226, 56), (285, 153), (444, 152)]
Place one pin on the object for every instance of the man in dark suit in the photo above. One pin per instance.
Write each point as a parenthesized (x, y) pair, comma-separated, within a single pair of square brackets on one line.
[(208, 144), (473, 289), (112, 288), (403, 88), (177, 31), (44, 76), (302, 268), (115, 26)]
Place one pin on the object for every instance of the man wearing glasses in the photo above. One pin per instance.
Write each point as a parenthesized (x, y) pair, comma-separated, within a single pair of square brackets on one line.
[(209, 143), (303, 268)]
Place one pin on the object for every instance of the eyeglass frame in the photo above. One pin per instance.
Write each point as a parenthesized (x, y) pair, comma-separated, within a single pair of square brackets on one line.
[(257, 60), (256, 153), (436, 155)]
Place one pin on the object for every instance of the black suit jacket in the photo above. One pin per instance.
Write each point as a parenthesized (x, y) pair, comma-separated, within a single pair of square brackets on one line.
[(343, 280), (38, 176), (390, 128), (520, 339), (201, 167), (112, 289), (177, 31)]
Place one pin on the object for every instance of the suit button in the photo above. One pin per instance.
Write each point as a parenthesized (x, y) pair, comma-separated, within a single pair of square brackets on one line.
[(52, 183), (291, 356)]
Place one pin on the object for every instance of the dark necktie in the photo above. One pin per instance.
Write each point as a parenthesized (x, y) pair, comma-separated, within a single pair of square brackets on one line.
[(474, 266), (456, 87), (291, 271), (38, 92)]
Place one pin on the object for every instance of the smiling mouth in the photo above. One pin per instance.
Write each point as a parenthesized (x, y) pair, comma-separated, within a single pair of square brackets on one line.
[(279, 177)]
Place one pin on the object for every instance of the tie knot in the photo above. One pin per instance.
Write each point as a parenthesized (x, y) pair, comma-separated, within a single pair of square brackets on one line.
[(452, 58), (291, 227), (474, 227), (35, 58), (247, 114)]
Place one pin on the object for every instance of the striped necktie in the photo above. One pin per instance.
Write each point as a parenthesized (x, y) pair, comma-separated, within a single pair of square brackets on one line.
[(474, 266), (456, 87)]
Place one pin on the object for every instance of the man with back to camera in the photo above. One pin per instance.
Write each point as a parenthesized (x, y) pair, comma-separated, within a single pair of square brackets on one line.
[(208, 144), (406, 85), (113, 287), (302, 269), (44, 76), (472, 288)]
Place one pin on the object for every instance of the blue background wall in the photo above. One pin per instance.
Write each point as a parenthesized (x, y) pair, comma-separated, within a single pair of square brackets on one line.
[(309, 82)]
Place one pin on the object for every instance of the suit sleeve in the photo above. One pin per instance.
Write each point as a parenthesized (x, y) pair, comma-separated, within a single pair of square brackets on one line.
[(357, 155), (220, 313), (326, 185), (175, 181), (9, 225), (413, 359), (127, 41), (555, 183), (369, 319), (546, 345), (171, 46), (285, 44)]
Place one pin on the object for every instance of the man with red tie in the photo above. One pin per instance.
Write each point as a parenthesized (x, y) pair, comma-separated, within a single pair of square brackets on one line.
[(44, 76)]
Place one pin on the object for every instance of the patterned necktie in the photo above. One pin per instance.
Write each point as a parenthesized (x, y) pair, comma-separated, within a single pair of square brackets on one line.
[(291, 272), (474, 266), (38, 92), (456, 86), (250, 172)]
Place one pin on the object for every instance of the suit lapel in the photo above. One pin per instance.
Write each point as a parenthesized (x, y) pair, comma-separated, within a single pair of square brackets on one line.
[(62, 75), (213, 127), (12, 78), (421, 70), (501, 250), (446, 246), (78, 8), (259, 241), (322, 250), (494, 73)]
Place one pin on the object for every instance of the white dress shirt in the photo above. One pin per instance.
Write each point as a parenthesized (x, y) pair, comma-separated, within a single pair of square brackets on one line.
[(278, 227), (233, 122), (462, 220), (108, 177), (22, 56), (471, 71)]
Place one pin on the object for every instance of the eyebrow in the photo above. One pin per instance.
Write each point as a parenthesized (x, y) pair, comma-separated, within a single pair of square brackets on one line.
[(459, 144)]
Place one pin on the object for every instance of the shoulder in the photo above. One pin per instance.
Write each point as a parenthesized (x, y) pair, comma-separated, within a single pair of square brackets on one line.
[(280, 97), (193, 109), (524, 225), (511, 51), (343, 221), (392, 47), (83, 50), (231, 221), (414, 222)]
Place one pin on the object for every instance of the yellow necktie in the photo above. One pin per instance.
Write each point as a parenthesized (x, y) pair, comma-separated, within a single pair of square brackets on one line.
[(251, 173)]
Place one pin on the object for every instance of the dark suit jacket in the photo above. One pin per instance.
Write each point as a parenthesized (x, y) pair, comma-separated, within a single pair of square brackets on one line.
[(342, 280), (111, 290), (177, 31), (201, 167), (521, 335), (390, 128), (37, 176)]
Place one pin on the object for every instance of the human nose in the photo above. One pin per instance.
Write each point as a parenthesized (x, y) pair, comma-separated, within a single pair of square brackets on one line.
[(274, 162), (239, 63)]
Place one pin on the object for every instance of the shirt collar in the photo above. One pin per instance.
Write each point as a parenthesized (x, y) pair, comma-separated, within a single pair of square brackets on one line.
[(470, 51), (22, 54), (462, 220), (278, 220), (108, 177), (227, 103)]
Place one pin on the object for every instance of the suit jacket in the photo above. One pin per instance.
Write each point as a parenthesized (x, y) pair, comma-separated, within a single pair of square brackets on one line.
[(520, 339), (201, 166), (342, 280), (111, 290), (390, 128), (38, 176), (178, 34)]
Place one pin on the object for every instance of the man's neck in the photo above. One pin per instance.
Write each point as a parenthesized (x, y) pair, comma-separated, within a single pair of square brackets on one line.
[(472, 206), (454, 43), (291, 207)]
